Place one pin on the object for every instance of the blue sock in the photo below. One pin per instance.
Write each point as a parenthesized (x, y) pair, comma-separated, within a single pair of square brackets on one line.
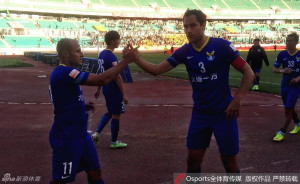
[(114, 127), (102, 123), (282, 130)]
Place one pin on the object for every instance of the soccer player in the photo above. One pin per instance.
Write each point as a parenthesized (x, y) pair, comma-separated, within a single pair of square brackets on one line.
[(73, 148), (114, 92), (289, 59), (207, 62), (255, 56)]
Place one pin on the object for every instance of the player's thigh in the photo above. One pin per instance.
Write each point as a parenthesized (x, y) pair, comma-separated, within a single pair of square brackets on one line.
[(115, 104), (90, 160), (226, 134), (257, 71), (284, 93), (199, 133), (292, 97), (195, 156), (66, 159), (94, 175)]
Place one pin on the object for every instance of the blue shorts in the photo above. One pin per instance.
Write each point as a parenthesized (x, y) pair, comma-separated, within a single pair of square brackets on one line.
[(225, 131), (290, 96), (72, 156), (256, 70), (114, 103)]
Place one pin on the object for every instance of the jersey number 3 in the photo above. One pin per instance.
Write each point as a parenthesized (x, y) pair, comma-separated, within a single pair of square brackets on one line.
[(202, 68)]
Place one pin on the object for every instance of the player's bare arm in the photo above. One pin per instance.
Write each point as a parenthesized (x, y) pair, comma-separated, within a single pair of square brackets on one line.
[(248, 77), (279, 70), (112, 73), (154, 69), (97, 94), (294, 80), (120, 83)]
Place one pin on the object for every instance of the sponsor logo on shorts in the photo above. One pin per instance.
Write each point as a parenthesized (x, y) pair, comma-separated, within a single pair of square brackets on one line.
[(64, 177)]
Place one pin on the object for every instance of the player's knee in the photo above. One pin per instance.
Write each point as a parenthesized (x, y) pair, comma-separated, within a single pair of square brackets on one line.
[(108, 115), (193, 161), (116, 116), (230, 164), (94, 175), (289, 112)]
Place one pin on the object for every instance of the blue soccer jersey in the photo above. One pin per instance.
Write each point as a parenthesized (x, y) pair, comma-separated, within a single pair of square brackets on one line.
[(70, 120), (108, 59), (208, 70), (286, 60)]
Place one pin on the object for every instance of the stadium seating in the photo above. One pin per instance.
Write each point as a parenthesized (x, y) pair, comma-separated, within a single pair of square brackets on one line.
[(218, 5), (241, 5), (268, 4), (256, 27), (52, 1), (27, 24), (28, 42), (211, 4), (48, 24), (82, 40), (148, 3), (181, 4), (294, 4), (287, 27), (119, 3), (74, 1), (19, 4), (2, 45), (95, 1), (3, 23), (147, 32), (89, 26)]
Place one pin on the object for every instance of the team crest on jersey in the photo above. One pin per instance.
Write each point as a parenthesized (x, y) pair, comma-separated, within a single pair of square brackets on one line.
[(298, 59), (74, 73), (210, 56)]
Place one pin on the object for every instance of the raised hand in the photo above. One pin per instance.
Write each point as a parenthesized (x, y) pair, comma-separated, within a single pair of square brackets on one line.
[(233, 109), (90, 107), (130, 54), (286, 70), (294, 81)]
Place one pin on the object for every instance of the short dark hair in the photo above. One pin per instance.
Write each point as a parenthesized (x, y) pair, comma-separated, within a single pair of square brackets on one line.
[(111, 36), (200, 16), (294, 36), (256, 40), (64, 45)]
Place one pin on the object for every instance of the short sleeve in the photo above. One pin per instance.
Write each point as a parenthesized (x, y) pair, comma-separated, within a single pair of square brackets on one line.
[(278, 61), (229, 51), (75, 76), (177, 57)]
